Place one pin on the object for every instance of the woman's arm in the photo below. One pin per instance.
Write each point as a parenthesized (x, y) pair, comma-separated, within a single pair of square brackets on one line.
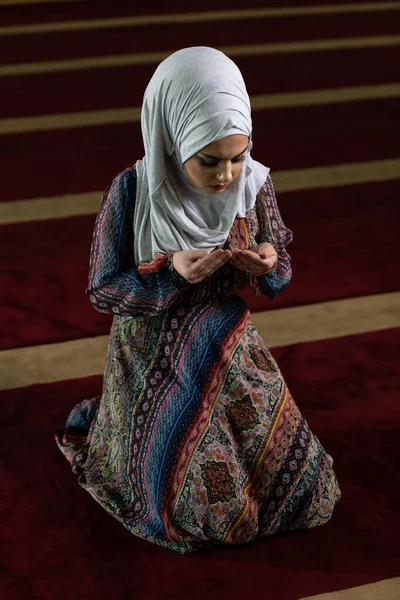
[(272, 230), (116, 285)]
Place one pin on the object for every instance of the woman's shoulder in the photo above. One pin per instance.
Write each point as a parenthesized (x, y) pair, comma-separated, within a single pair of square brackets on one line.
[(123, 186), (131, 169), (129, 173), (120, 194), (265, 189)]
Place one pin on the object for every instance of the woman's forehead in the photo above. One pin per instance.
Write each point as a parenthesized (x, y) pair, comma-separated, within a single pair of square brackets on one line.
[(227, 147)]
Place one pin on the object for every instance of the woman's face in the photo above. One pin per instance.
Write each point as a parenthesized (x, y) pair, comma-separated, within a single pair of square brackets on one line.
[(214, 167)]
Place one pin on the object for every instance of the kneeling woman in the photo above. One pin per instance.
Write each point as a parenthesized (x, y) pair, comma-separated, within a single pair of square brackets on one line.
[(196, 440)]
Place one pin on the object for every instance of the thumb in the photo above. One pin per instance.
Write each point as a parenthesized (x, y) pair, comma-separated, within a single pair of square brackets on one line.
[(266, 249), (200, 253)]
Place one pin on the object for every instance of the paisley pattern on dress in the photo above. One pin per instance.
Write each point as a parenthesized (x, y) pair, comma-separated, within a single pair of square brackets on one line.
[(196, 439), (218, 481), (242, 415)]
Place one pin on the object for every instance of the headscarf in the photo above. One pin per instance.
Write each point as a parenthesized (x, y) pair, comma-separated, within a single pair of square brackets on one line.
[(195, 97)]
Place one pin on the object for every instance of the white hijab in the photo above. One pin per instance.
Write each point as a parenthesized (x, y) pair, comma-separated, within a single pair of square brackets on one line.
[(195, 97)]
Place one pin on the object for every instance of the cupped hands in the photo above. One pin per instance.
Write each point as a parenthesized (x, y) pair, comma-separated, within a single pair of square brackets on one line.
[(196, 265), (258, 260)]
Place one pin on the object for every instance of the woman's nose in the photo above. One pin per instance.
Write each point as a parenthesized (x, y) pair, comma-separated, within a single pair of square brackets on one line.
[(225, 174)]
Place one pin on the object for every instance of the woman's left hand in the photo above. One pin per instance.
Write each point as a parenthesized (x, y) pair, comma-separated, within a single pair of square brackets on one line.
[(258, 260)]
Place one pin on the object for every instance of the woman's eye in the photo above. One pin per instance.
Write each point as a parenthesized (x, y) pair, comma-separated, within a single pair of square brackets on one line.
[(207, 164), (214, 164)]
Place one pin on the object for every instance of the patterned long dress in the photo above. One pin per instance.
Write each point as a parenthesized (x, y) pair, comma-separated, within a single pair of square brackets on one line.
[(196, 439)]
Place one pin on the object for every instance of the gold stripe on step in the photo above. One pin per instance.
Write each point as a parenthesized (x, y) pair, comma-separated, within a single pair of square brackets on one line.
[(30, 2), (336, 175), (328, 319), (260, 102), (335, 95), (144, 58), (387, 589), (69, 120), (71, 205), (84, 357), (199, 17), (52, 207)]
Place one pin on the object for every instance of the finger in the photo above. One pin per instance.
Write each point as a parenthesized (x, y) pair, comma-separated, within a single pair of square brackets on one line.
[(267, 253), (239, 261), (240, 257), (248, 265), (198, 254), (255, 258), (260, 267), (265, 250), (214, 257), (216, 263), (234, 261), (211, 256), (208, 265), (268, 257), (265, 246), (248, 261)]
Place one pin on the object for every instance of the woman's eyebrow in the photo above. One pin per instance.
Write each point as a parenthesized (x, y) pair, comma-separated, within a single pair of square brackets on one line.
[(217, 158)]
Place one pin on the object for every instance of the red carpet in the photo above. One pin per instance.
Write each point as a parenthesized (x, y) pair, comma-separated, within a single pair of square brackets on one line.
[(57, 543)]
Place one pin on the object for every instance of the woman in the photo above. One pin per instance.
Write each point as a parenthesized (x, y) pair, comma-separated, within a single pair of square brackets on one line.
[(196, 440)]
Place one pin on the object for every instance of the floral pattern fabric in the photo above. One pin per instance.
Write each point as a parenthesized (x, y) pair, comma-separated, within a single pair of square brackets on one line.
[(196, 439)]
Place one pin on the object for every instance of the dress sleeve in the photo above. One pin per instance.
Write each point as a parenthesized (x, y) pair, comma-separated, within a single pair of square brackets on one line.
[(273, 230), (116, 285)]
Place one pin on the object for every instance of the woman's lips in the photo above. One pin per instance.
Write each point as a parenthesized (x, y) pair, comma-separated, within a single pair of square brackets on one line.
[(219, 187)]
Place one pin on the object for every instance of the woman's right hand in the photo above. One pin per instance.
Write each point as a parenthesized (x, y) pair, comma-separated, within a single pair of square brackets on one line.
[(196, 265)]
